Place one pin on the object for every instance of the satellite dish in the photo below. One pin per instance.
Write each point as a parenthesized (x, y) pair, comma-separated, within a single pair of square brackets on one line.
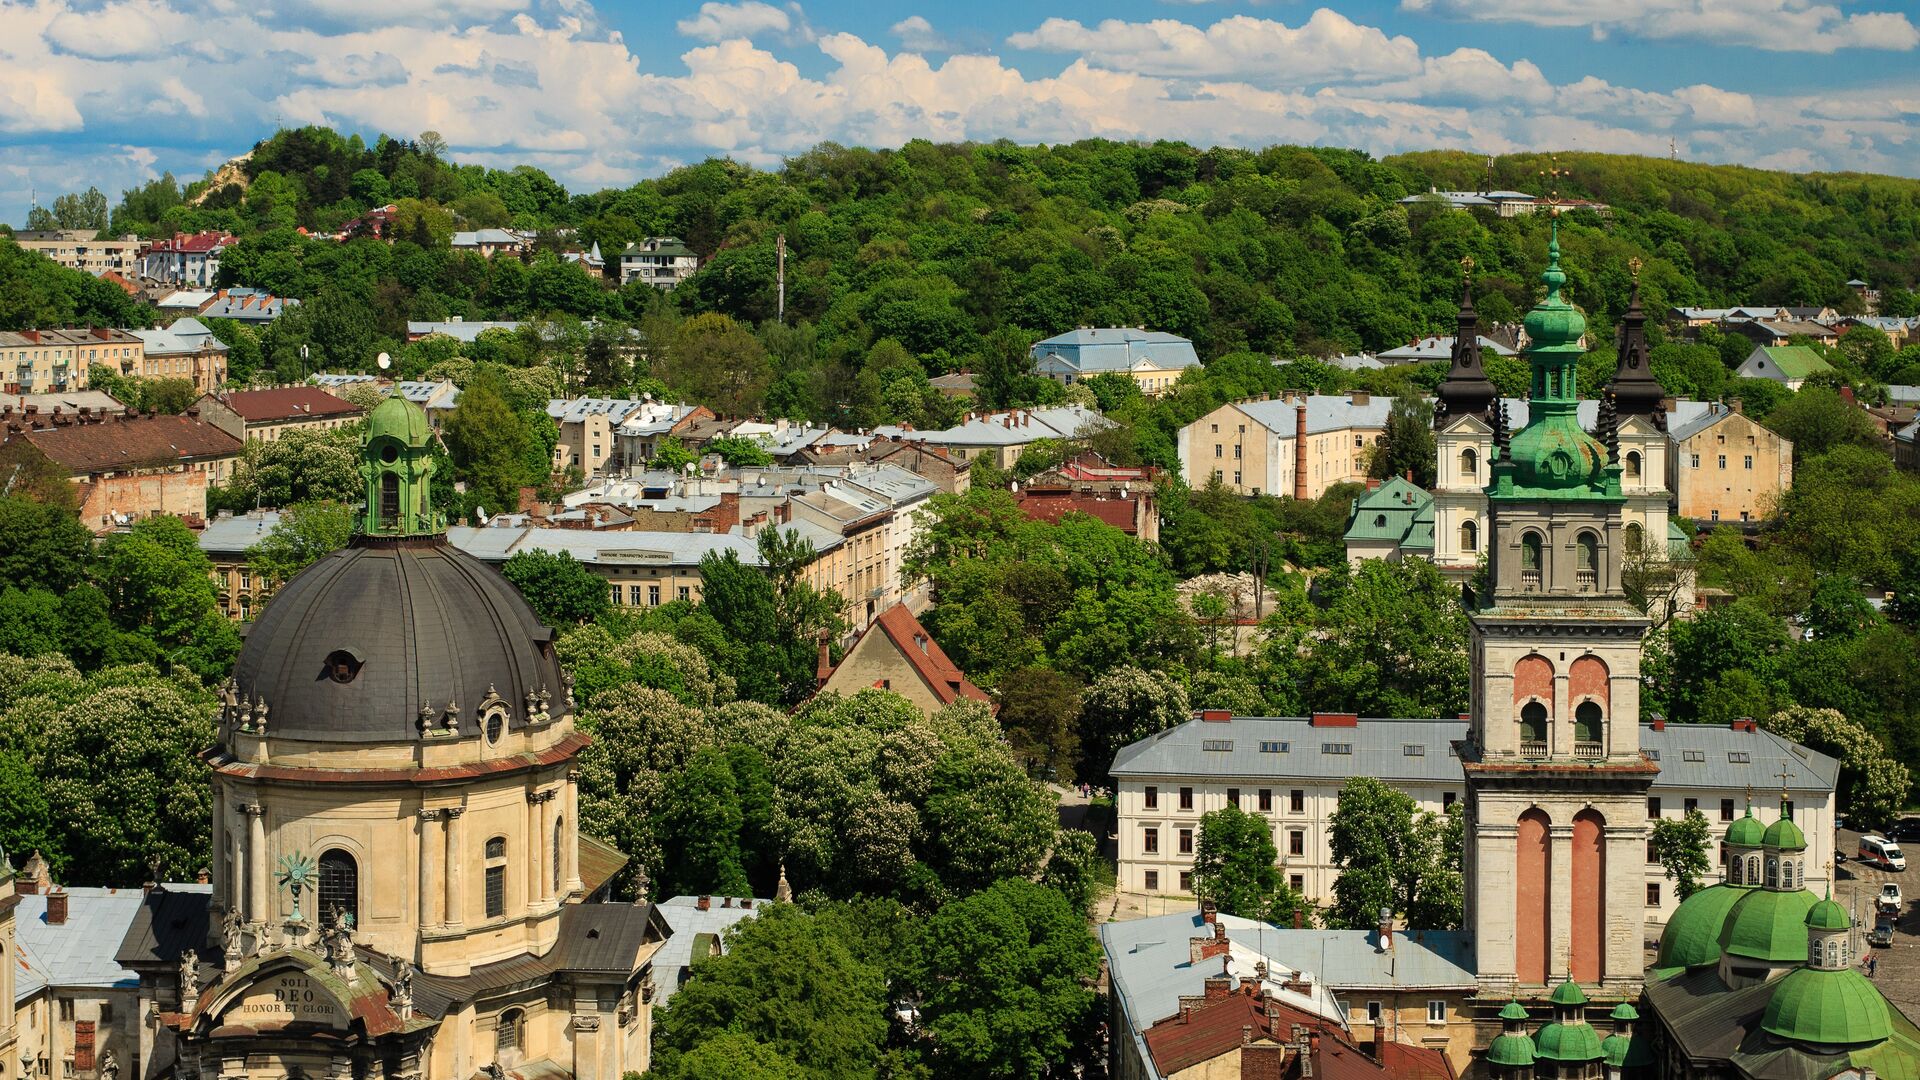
[(384, 361)]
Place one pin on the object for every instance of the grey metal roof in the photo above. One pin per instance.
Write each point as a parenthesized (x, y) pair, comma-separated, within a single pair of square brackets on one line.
[(459, 329), (1150, 964), (430, 625), (184, 336), (691, 925), (600, 548), (1438, 347), (1119, 348), (171, 920), (1378, 748), (578, 409), (80, 952), (234, 534)]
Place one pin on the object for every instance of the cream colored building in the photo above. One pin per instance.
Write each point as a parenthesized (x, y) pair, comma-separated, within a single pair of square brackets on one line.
[(400, 886), (1294, 444), (1000, 438), (1153, 359), (76, 249), (1728, 467), (51, 361)]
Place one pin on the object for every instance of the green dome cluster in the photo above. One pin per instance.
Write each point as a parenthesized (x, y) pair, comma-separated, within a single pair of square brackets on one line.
[(1770, 925), (1692, 936), (1746, 832), (1571, 1040), (1827, 915)]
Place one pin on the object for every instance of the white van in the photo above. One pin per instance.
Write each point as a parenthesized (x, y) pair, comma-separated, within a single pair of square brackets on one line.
[(1881, 852)]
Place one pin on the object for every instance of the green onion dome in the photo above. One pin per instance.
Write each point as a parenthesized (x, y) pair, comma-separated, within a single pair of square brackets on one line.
[(1769, 925), (1554, 323), (1571, 1040), (1746, 832), (401, 420), (1514, 1051), (1635, 1050), (1827, 1008), (1692, 936), (1784, 835), (1827, 915)]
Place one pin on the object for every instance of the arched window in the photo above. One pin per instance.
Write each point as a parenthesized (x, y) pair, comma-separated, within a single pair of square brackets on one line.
[(1586, 722), (1753, 869), (339, 886), (1379, 521), (1533, 722), (1636, 536), (1633, 465), (1469, 536), (506, 1032), (1773, 871), (495, 722), (559, 838), (496, 877), (1469, 464), (1588, 547), (1734, 876), (1530, 552), (390, 500)]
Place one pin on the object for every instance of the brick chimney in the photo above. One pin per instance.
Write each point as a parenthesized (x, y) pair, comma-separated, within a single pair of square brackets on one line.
[(1385, 931), (705, 903), (57, 908), (1218, 987), (1261, 1061), (1300, 448), (1216, 716), (1334, 719)]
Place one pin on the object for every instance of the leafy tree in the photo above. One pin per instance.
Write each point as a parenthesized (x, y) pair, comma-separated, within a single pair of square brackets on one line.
[(732, 1055), (1391, 642), (670, 453), (1076, 869), (1680, 845), (561, 588), (489, 443), (1394, 856), (789, 982), (159, 585), (1873, 785), (1839, 610), (298, 467), (42, 545), (305, 534), (739, 452), (1236, 867), (1407, 446), (1817, 419), (984, 819), (1040, 710), (1122, 707), (699, 822), (1005, 977), (719, 363), (26, 821)]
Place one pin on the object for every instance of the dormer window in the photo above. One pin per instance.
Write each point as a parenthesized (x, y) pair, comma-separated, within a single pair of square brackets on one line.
[(342, 666)]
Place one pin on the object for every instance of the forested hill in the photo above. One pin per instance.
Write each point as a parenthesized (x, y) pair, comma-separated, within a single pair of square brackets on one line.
[(940, 247)]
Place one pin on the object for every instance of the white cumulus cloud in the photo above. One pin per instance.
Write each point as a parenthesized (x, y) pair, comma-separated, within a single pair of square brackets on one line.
[(719, 22), (1777, 25)]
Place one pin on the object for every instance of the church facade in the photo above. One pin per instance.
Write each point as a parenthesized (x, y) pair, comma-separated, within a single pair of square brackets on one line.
[(400, 887)]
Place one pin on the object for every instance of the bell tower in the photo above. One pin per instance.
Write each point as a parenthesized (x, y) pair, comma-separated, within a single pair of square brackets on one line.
[(396, 464), (1556, 782)]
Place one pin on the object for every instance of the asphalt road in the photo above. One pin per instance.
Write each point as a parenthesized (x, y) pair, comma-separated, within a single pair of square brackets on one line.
[(1856, 886)]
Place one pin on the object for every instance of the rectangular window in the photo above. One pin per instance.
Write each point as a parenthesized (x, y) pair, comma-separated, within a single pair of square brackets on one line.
[(1150, 841), (1297, 882), (1749, 461), (1446, 800), (1152, 799), (1266, 800), (1693, 755), (1413, 750), (653, 596), (1653, 807), (1219, 450), (1233, 797), (1726, 809), (616, 592), (1723, 461), (1691, 806), (1296, 842), (1297, 801), (1186, 881), (1653, 856), (1274, 746), (1653, 894), (1186, 798), (1236, 476), (496, 891), (1341, 748), (1216, 744), (1373, 1012), (685, 593), (1739, 757), (66, 1010), (1236, 451), (1153, 881), (1694, 460), (1436, 1011), (1186, 841), (633, 595)]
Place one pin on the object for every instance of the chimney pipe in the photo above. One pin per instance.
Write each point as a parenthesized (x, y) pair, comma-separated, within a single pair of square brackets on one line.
[(57, 908), (1300, 449)]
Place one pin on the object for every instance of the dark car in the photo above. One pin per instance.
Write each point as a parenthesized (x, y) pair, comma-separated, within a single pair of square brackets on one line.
[(1907, 829)]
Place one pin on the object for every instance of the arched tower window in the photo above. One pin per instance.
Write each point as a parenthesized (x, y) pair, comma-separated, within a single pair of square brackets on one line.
[(1586, 559), (1734, 867), (1469, 536), (506, 1033), (1469, 464), (340, 886), (1753, 869), (1773, 871), (1632, 469), (1636, 536), (559, 838), (1533, 723), (390, 500), (1586, 722)]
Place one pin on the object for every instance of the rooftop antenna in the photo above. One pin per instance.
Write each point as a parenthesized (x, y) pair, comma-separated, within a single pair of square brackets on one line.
[(1673, 149), (1486, 185), (780, 272)]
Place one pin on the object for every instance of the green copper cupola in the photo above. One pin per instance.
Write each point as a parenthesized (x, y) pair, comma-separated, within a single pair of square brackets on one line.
[(396, 464), (1553, 457)]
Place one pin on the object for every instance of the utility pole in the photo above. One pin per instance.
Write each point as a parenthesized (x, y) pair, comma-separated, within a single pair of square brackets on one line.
[(780, 255)]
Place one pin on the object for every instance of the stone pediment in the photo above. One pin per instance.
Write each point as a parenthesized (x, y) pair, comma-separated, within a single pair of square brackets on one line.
[(1465, 424), (295, 987)]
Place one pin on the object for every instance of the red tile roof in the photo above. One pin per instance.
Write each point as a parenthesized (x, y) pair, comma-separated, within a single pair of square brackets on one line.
[(1050, 505), (122, 442), (929, 661), (1407, 1062), (1214, 1028), (286, 403)]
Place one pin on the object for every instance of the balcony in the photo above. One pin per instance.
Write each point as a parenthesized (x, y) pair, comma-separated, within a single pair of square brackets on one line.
[(1530, 580), (1533, 750), (1588, 750), (1585, 579)]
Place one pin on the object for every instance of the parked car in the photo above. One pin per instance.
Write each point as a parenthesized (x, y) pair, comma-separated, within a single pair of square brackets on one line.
[(1882, 852), (1882, 933), (1906, 830), (1890, 901)]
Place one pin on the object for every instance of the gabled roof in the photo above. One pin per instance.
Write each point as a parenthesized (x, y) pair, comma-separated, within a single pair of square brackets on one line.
[(927, 658), (1438, 347), (690, 924), (1052, 504), (1117, 348), (121, 442), (1793, 361), (80, 952), (172, 919), (285, 403)]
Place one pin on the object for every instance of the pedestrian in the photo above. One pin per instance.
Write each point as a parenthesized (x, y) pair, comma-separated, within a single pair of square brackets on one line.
[(1873, 964)]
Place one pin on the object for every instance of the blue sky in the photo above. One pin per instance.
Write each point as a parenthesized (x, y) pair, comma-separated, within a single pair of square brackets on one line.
[(604, 92)]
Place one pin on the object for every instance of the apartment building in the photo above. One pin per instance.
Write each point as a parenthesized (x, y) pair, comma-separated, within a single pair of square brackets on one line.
[(1290, 771), (51, 361), (1002, 437), (186, 350), (1294, 444), (660, 261), (128, 466), (267, 414), (1725, 466), (1154, 360), (77, 249), (587, 427), (183, 259)]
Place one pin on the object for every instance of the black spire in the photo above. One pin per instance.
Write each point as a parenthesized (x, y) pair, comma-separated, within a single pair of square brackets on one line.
[(1465, 390), (1634, 388)]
